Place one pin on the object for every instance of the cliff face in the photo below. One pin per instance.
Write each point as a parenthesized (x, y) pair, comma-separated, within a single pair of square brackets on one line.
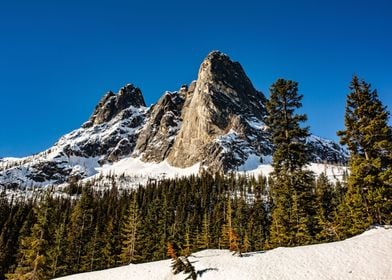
[(164, 121), (113, 104), (222, 102), (216, 121)]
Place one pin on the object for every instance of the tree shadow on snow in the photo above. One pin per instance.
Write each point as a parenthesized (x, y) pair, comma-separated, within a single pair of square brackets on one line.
[(201, 272), (250, 254)]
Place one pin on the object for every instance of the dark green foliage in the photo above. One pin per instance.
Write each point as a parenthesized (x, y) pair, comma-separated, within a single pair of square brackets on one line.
[(369, 140), (97, 229), (16, 224), (80, 231), (34, 260), (94, 230), (288, 137), (292, 219), (328, 198), (130, 234)]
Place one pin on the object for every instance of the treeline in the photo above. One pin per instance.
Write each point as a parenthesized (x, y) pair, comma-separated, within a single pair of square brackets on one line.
[(86, 229), (54, 235)]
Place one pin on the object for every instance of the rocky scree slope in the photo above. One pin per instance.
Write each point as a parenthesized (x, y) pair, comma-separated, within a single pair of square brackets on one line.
[(216, 121)]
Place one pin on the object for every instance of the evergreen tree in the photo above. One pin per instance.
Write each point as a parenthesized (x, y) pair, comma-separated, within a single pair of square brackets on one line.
[(291, 190), (107, 246), (129, 233), (369, 140), (352, 217), (57, 251), (34, 262), (327, 200), (20, 220), (246, 246), (280, 228), (92, 252), (4, 208), (187, 248), (80, 230), (230, 238), (287, 136), (204, 237)]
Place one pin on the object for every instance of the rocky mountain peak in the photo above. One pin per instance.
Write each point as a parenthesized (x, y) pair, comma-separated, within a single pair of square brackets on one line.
[(220, 101), (215, 122), (228, 83), (130, 95), (111, 104)]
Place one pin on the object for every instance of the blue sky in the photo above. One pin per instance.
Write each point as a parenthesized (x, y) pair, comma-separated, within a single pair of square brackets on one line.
[(57, 58)]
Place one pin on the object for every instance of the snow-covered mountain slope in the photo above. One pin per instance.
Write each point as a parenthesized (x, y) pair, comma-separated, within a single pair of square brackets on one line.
[(109, 135), (131, 172), (366, 256), (216, 123)]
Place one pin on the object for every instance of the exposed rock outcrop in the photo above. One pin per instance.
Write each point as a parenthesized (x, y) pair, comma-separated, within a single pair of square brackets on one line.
[(157, 137), (223, 101), (109, 135), (112, 104), (217, 121)]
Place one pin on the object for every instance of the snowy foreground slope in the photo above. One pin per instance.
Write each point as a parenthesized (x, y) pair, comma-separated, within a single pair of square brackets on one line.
[(366, 256)]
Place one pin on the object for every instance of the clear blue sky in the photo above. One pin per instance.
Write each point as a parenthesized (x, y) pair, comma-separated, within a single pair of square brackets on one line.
[(57, 58)]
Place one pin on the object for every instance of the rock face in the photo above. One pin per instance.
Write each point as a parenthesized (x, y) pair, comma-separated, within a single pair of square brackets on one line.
[(112, 104), (217, 121), (109, 135), (222, 102), (157, 137)]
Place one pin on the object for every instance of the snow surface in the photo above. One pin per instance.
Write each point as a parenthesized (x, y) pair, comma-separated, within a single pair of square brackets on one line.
[(135, 166), (137, 172), (366, 256), (256, 165)]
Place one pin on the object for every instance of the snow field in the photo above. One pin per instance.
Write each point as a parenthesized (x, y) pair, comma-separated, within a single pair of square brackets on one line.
[(366, 256)]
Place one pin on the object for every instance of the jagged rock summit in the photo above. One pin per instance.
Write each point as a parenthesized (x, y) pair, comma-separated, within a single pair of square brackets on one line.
[(216, 122), (222, 106), (111, 104)]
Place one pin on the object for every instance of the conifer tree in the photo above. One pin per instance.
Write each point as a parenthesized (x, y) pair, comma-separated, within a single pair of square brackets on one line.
[(292, 186), (4, 208), (246, 246), (57, 251), (227, 227), (369, 140), (288, 137), (107, 256), (352, 217), (17, 226), (230, 238), (280, 228), (80, 230), (328, 197), (171, 253), (204, 236), (92, 252), (34, 262), (187, 248), (129, 233)]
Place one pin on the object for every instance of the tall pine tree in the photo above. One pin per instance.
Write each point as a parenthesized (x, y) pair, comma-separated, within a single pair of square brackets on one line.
[(130, 233), (291, 190), (34, 262), (369, 140)]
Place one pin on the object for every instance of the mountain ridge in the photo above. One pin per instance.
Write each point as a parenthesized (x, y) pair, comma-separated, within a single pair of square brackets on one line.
[(216, 121)]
